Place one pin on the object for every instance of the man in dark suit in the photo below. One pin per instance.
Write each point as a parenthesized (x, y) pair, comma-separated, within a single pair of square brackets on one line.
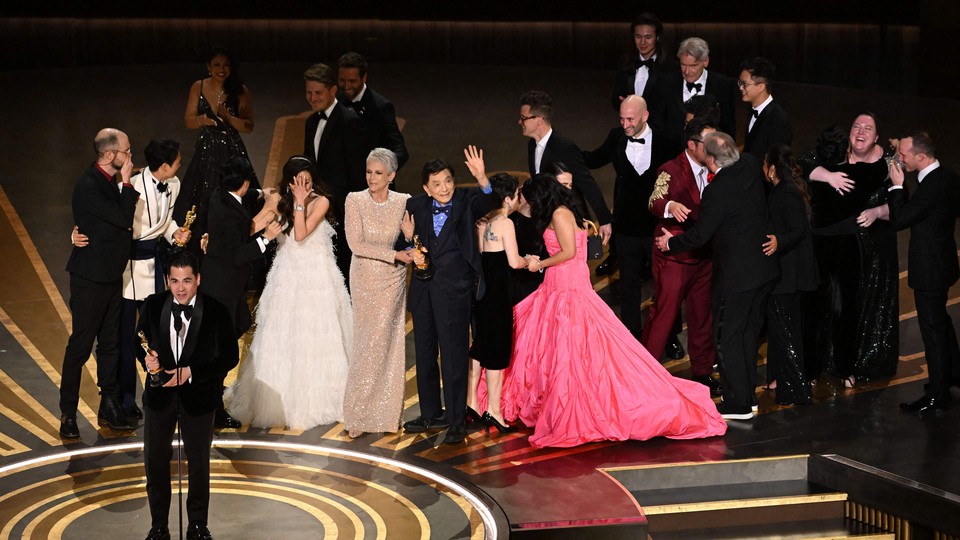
[(104, 202), (636, 153), (191, 337), (547, 147), (769, 123), (683, 276), (667, 113), (640, 70), (734, 219), (444, 222), (337, 141), (232, 251), (376, 111), (931, 214)]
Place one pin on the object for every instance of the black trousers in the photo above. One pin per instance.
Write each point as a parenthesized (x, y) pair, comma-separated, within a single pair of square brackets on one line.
[(127, 373), (196, 432), (95, 309), (634, 253), (441, 325), (939, 341), (737, 320), (785, 352)]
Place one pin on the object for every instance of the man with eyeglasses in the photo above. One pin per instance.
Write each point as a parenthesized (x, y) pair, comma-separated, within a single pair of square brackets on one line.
[(104, 202), (679, 277), (694, 79), (547, 147), (769, 123)]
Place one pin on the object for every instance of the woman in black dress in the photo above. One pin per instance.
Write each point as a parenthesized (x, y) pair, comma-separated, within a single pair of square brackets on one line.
[(219, 106), (798, 274), (857, 338)]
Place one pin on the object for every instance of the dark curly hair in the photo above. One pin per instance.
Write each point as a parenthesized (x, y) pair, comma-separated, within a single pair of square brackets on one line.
[(545, 194), (832, 145)]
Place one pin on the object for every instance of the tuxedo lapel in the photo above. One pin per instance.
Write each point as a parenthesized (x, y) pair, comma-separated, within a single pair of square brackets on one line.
[(333, 124), (196, 319), (165, 350), (690, 180)]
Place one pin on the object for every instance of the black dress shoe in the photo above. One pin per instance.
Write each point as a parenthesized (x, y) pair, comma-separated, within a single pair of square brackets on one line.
[(198, 531), (716, 389), (674, 349), (455, 435), (926, 403), (158, 533), (421, 424), (607, 267), (133, 412), (111, 416), (68, 427), (223, 420)]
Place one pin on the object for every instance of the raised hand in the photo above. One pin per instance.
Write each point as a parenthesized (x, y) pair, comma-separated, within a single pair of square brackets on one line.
[(301, 187), (475, 163)]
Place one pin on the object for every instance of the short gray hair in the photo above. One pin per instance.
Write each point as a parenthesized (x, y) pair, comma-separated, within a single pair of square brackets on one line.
[(386, 157), (106, 141), (722, 148), (695, 47)]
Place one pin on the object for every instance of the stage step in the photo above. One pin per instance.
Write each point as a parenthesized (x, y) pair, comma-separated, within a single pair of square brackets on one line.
[(824, 529)]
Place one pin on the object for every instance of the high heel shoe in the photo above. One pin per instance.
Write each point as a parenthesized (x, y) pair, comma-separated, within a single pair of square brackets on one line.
[(473, 416), (489, 420)]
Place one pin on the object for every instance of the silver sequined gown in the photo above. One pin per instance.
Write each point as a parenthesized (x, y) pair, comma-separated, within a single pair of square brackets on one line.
[(374, 395)]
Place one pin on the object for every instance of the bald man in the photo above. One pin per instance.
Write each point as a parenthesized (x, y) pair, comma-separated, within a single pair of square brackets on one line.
[(104, 203), (636, 153)]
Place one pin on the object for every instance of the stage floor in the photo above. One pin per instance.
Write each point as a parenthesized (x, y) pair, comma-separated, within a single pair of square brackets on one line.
[(296, 484)]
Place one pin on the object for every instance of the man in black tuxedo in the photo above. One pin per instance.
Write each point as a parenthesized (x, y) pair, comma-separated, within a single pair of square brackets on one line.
[(337, 141), (546, 147), (735, 220), (641, 69), (931, 215), (444, 221), (191, 337), (376, 111), (693, 79), (769, 123), (636, 152), (232, 250), (104, 203)]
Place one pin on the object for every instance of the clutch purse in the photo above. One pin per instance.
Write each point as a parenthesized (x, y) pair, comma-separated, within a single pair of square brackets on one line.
[(594, 241)]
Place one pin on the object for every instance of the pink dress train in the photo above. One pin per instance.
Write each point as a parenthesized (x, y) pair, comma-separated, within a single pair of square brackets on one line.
[(578, 375)]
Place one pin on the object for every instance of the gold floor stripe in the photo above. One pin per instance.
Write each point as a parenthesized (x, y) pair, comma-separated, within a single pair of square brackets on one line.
[(912, 314), (44, 364), (49, 431), (655, 510), (10, 446), (687, 464)]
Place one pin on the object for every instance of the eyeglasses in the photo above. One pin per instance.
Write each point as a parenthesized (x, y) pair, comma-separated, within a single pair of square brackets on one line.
[(127, 151), (525, 118), (744, 84)]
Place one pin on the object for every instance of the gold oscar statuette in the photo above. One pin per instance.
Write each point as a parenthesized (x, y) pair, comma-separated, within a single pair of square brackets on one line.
[(187, 222)]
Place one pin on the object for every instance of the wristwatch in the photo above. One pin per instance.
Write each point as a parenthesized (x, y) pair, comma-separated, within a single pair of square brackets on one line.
[(298, 208)]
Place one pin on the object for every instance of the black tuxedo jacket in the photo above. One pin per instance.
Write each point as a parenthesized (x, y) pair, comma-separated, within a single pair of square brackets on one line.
[(454, 254), (380, 119), (788, 219), (105, 215), (626, 77), (210, 349), (931, 214), (667, 114), (230, 254), (631, 191), (772, 127), (734, 218), (342, 159), (562, 149)]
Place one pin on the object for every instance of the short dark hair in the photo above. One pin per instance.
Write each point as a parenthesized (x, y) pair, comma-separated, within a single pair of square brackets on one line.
[(540, 103), (760, 69), (234, 173), (322, 74), (353, 60), (433, 167), (693, 129), (184, 259), (923, 143), (703, 106), (832, 143), (503, 185), (161, 151)]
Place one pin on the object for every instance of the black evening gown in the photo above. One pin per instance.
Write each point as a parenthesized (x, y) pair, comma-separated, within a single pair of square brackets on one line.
[(493, 314), (856, 308), (215, 146), (529, 242)]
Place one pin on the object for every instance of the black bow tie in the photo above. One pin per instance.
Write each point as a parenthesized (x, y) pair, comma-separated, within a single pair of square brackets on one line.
[(692, 85), (442, 209), (322, 115), (649, 62), (637, 140), (756, 113), (187, 312), (162, 187)]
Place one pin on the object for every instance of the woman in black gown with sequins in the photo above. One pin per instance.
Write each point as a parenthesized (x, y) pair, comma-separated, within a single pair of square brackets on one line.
[(221, 107)]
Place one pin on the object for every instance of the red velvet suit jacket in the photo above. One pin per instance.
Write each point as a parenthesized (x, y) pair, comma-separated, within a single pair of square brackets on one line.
[(676, 182)]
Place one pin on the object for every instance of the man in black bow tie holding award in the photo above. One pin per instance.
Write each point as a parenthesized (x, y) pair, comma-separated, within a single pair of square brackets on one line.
[(190, 337)]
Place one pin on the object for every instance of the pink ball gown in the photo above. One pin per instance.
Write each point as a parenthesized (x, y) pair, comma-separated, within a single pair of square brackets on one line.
[(578, 375)]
